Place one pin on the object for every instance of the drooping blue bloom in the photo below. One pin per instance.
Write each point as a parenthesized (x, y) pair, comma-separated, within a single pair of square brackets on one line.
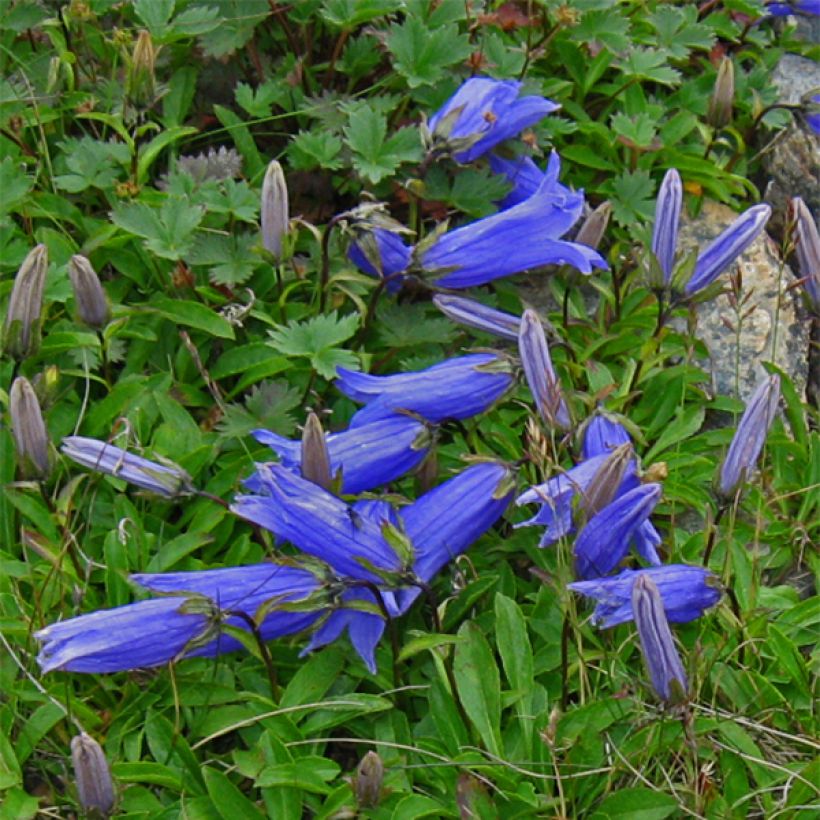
[(540, 374), (187, 624), (168, 480), (807, 250), (686, 591), (474, 314), (604, 541), (319, 523), (388, 256), (523, 237), (667, 220), (602, 434), (812, 113), (368, 455), (527, 178), (657, 645), (456, 388), (723, 250), (482, 113), (750, 436), (806, 7)]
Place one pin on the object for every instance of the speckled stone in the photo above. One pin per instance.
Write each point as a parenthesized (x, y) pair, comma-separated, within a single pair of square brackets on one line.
[(773, 314)]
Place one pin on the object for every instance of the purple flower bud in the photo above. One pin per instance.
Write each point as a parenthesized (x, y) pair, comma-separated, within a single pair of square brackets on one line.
[(21, 327), (594, 226), (474, 314), (723, 250), (667, 220), (604, 541), (608, 479), (186, 624), (811, 109), (807, 249), (750, 436), (314, 456), (806, 7), (92, 303), (658, 646), (29, 430), (168, 480), (368, 781), (456, 388), (719, 114), (544, 385), (95, 787), (686, 591), (482, 113), (275, 213), (367, 456)]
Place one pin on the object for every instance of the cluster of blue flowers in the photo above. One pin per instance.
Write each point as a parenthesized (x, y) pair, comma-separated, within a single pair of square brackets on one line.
[(360, 564)]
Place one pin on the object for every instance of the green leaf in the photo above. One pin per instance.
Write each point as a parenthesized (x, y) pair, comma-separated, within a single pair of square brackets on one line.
[(243, 139), (315, 149), (149, 153), (168, 232), (421, 54), (638, 131), (513, 643), (637, 803), (154, 14), (10, 774), (230, 258), (313, 678), (238, 20), (227, 799), (684, 424), (479, 685), (259, 102), (310, 773), (14, 183), (316, 338), (192, 314), (610, 27), (350, 14), (268, 405), (649, 64), (375, 157), (633, 197)]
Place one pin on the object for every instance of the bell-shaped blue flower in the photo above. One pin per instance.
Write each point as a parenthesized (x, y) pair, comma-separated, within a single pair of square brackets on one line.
[(750, 436), (188, 623), (601, 435), (687, 591), (667, 221), (526, 177), (453, 389), (807, 7), (807, 249), (604, 541), (657, 645), (367, 456), (385, 256), (318, 523), (482, 113)]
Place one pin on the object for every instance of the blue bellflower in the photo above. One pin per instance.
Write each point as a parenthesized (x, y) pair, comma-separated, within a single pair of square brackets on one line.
[(750, 436), (812, 112), (392, 257), (474, 314), (168, 480), (367, 456), (807, 7), (456, 388), (687, 592), (540, 374), (657, 645), (807, 250), (527, 178), (482, 113), (186, 624), (667, 222), (604, 541)]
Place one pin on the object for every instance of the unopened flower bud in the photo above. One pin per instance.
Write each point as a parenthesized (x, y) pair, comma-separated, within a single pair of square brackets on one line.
[(807, 250), (275, 218), (141, 80), (657, 645), (592, 231), (474, 314), (368, 781), (604, 486), (92, 303), (95, 786), (28, 430), (719, 114), (21, 328), (315, 457)]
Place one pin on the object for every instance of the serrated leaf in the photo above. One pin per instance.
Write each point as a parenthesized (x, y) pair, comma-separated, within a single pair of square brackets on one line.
[(14, 183), (408, 326), (374, 156), (649, 64), (422, 54), (350, 14), (633, 197), (167, 231), (230, 258), (610, 27), (314, 149)]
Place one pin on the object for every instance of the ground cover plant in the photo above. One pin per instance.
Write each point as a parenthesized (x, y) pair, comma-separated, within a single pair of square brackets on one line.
[(360, 454)]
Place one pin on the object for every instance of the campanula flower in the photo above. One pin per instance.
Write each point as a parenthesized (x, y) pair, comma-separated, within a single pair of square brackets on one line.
[(540, 374), (604, 541), (474, 314), (168, 479), (657, 644), (482, 113), (667, 222), (750, 436), (811, 110), (95, 787), (456, 388), (21, 327), (807, 250), (28, 430), (686, 591), (383, 254), (186, 623), (602, 434), (367, 456), (526, 177), (806, 7)]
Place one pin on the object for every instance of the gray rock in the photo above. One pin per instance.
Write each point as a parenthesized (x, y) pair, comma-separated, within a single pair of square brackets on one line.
[(795, 76), (773, 328)]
